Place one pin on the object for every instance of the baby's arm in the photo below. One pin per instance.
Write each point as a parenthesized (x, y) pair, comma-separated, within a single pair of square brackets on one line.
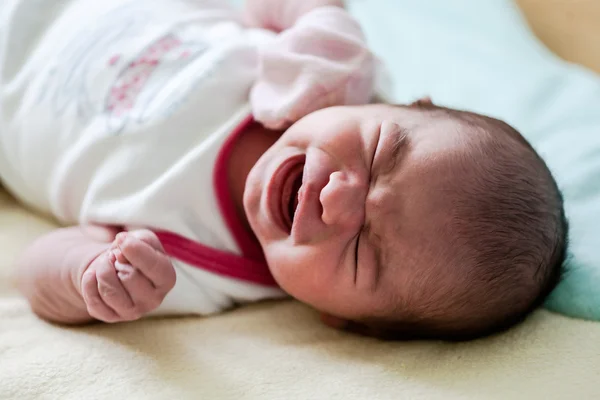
[(322, 60), (79, 274)]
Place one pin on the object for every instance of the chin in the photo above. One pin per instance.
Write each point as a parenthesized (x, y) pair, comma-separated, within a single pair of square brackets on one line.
[(284, 279), (294, 284)]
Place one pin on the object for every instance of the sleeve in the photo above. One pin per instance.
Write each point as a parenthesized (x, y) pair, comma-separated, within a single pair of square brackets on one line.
[(200, 292), (322, 61)]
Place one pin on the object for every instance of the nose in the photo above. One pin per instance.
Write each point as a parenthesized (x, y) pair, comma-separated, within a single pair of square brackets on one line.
[(343, 201)]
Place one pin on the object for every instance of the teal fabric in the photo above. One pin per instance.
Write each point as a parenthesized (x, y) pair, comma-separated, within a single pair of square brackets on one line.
[(481, 56)]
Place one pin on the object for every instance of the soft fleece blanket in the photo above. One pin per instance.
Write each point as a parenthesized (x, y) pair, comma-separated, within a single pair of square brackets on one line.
[(280, 350), (274, 351)]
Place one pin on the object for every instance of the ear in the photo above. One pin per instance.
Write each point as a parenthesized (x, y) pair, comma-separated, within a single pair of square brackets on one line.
[(334, 322), (423, 102)]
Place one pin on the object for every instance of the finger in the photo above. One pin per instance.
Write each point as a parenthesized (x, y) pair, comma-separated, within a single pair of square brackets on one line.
[(95, 306), (142, 292), (111, 290), (145, 236), (119, 257), (150, 262)]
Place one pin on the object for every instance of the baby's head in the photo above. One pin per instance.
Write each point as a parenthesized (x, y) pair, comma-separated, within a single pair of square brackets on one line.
[(410, 221)]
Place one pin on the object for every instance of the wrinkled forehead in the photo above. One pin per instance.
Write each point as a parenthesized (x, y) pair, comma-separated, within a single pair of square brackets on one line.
[(434, 126)]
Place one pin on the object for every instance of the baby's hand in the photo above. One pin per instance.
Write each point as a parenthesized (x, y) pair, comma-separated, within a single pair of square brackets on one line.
[(129, 280), (279, 15), (321, 61)]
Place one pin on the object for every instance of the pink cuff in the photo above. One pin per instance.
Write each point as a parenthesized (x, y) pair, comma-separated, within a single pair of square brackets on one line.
[(322, 61)]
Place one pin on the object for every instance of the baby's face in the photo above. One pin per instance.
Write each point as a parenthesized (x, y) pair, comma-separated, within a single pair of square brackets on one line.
[(369, 217)]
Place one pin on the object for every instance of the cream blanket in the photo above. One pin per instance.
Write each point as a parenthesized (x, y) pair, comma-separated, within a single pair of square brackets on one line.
[(274, 351)]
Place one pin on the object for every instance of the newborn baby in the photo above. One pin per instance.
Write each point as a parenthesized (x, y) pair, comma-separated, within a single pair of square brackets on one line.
[(397, 221), (410, 221)]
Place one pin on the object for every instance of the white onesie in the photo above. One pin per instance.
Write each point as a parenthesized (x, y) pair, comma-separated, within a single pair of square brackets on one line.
[(122, 113)]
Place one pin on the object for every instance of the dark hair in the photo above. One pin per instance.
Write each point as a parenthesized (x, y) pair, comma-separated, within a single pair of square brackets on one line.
[(510, 218)]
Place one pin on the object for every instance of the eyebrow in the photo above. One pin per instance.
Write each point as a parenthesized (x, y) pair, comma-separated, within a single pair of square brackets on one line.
[(400, 142)]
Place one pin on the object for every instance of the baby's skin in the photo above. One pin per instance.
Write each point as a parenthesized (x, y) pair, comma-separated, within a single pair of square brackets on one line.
[(79, 274), (370, 223)]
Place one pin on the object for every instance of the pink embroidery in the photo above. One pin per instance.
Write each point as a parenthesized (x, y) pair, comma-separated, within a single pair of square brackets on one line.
[(133, 79), (114, 59)]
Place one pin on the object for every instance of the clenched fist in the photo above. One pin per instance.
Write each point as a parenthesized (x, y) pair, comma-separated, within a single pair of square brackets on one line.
[(128, 280)]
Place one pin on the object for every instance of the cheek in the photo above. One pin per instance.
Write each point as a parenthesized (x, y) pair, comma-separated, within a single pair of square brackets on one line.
[(251, 201), (309, 275)]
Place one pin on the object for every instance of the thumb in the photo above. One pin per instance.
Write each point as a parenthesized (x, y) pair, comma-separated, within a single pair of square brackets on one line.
[(148, 237)]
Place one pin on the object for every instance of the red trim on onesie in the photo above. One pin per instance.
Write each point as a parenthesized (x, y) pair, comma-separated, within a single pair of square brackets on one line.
[(251, 266)]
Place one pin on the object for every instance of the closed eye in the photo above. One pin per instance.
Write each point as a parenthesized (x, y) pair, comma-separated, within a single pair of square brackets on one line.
[(393, 151), (356, 257)]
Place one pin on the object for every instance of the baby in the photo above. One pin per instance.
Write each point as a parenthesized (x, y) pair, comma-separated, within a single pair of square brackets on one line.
[(396, 221)]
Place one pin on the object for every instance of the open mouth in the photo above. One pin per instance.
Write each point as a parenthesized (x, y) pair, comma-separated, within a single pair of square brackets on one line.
[(287, 181), (289, 199)]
